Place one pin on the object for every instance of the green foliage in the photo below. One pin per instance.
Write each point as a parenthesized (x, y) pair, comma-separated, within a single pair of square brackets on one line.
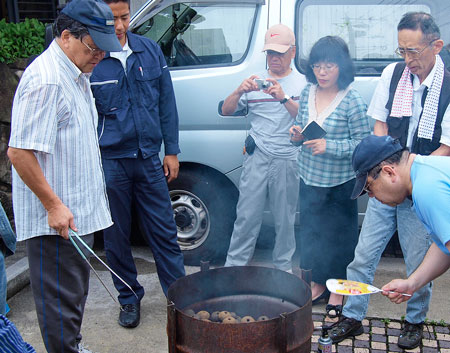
[(21, 40), (386, 321)]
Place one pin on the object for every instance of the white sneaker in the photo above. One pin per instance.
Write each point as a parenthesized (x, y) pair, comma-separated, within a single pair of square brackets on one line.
[(83, 349)]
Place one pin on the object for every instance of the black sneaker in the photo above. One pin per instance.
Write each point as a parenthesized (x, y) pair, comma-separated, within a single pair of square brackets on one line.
[(130, 315), (344, 328), (410, 336)]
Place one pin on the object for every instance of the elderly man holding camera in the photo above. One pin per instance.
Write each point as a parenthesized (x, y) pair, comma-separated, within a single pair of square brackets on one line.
[(270, 168)]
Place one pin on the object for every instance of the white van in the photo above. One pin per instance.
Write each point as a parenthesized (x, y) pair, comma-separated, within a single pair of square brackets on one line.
[(210, 47)]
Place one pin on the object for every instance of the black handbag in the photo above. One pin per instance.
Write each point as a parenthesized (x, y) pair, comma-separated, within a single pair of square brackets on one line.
[(250, 145)]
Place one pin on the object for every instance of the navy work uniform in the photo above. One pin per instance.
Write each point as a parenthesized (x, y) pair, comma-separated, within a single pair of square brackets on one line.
[(137, 112)]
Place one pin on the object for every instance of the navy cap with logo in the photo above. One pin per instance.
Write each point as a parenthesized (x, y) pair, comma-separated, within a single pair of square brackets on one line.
[(97, 16), (370, 152)]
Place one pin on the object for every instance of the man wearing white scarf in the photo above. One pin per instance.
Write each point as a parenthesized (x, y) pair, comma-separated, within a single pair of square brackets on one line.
[(410, 103)]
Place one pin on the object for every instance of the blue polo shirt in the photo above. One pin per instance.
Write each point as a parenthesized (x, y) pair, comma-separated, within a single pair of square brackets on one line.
[(430, 177), (136, 109)]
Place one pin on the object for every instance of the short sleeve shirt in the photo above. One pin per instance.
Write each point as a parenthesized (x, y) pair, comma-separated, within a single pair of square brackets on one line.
[(270, 121), (377, 108), (54, 115), (430, 176)]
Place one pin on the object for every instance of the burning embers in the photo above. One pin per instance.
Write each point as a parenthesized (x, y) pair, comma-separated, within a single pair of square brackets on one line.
[(198, 303)]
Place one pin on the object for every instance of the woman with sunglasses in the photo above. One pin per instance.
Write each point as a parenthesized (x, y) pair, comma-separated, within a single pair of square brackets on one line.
[(328, 217)]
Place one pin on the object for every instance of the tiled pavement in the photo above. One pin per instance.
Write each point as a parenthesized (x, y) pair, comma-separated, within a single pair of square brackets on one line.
[(381, 336)]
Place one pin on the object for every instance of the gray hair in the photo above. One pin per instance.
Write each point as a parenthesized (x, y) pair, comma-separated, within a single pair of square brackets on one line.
[(420, 20), (64, 22)]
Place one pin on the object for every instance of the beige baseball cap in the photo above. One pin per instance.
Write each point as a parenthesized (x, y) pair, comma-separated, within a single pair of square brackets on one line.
[(279, 38)]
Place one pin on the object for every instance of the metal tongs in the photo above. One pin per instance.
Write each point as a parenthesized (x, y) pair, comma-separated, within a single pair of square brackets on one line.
[(73, 234)]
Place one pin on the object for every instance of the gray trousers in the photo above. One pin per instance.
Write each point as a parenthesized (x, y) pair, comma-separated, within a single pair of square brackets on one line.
[(278, 180), (60, 282)]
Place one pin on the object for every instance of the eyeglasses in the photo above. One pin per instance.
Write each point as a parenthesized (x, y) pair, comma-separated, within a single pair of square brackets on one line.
[(328, 67), (366, 188), (275, 53), (93, 51), (412, 53)]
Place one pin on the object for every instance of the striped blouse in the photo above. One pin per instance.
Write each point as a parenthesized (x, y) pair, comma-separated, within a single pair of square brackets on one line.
[(346, 126), (54, 114)]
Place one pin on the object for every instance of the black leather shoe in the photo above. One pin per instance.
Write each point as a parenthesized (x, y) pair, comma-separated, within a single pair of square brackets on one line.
[(130, 315), (344, 328), (410, 336)]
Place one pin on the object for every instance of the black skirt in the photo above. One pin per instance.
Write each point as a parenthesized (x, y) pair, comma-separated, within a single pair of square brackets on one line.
[(328, 231)]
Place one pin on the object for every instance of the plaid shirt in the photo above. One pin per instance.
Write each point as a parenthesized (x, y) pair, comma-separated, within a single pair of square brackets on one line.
[(346, 126)]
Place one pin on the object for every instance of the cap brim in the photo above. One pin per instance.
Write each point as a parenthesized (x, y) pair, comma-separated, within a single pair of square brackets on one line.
[(277, 47), (358, 189), (105, 41)]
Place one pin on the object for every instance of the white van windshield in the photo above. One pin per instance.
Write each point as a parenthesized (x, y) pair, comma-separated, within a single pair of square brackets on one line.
[(194, 34)]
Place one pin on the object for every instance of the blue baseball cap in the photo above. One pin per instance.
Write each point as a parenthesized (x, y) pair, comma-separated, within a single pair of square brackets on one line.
[(370, 152), (98, 18)]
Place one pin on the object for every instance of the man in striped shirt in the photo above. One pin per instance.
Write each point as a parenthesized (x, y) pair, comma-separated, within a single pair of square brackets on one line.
[(57, 174)]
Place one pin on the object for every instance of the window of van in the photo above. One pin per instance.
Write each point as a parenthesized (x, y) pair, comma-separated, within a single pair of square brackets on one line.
[(199, 34), (368, 27)]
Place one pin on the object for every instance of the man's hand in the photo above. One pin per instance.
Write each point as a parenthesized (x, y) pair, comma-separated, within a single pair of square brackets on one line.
[(275, 90), (171, 167), (398, 286), (230, 103), (318, 146), (248, 85), (60, 218)]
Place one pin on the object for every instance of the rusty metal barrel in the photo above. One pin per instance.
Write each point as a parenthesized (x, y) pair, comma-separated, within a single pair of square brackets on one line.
[(253, 290)]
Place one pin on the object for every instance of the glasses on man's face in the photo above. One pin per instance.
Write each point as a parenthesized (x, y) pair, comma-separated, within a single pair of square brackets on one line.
[(93, 51), (328, 67), (366, 188), (412, 52), (275, 53)]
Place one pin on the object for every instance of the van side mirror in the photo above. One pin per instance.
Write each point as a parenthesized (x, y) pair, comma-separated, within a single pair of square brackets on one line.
[(242, 112)]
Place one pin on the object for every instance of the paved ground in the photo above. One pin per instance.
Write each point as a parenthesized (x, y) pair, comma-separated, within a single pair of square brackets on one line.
[(381, 335), (102, 333)]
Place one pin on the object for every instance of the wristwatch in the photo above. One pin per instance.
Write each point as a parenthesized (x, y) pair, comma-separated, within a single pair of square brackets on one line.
[(285, 99)]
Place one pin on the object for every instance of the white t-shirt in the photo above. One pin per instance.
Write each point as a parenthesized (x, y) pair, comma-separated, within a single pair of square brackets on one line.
[(270, 121), (122, 55)]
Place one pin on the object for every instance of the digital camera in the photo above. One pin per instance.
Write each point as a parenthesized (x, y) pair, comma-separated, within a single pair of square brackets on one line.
[(262, 84)]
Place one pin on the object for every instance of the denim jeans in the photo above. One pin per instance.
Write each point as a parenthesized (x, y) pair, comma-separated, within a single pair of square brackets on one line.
[(3, 283), (380, 223), (7, 247)]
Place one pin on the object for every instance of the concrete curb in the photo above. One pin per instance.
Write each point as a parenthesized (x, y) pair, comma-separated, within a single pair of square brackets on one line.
[(18, 275)]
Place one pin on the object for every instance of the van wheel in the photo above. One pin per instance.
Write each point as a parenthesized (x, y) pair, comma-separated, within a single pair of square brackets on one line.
[(204, 210)]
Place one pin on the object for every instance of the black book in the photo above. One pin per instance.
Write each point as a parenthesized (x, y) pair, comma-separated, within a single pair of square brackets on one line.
[(313, 131)]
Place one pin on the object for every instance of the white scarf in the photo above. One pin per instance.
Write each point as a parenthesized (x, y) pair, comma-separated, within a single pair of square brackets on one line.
[(402, 104)]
